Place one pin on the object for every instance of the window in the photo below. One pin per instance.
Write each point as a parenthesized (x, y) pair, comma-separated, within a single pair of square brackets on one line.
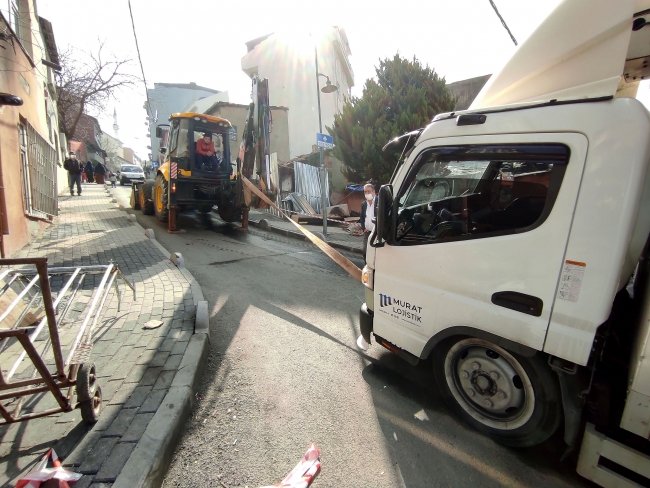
[(456, 193)]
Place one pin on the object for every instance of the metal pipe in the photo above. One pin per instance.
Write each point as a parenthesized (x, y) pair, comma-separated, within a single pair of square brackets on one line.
[(8, 284), (18, 298), (51, 318), (82, 329), (31, 416), (61, 271), (38, 329), (3, 342), (323, 208), (99, 309)]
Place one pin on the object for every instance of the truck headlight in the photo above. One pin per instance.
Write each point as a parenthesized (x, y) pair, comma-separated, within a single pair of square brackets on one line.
[(368, 277)]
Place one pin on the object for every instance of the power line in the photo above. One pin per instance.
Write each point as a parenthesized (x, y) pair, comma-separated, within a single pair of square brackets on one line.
[(144, 79), (502, 21)]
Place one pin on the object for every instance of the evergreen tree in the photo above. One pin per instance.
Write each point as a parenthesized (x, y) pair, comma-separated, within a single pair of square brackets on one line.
[(405, 96)]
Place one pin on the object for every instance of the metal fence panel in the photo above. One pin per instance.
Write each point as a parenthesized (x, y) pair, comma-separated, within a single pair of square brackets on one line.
[(41, 182), (308, 184)]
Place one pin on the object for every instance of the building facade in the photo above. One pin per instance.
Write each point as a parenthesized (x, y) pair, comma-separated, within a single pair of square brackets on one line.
[(288, 61), (31, 171), (169, 98)]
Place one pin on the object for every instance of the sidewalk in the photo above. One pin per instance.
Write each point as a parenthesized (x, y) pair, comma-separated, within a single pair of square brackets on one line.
[(146, 396), (336, 235)]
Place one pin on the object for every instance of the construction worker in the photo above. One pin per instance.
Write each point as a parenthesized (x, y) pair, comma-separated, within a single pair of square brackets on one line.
[(205, 155)]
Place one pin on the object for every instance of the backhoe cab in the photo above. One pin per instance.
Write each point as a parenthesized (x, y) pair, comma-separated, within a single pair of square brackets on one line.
[(195, 171)]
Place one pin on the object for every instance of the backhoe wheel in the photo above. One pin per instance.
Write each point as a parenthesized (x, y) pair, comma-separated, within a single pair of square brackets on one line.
[(89, 394), (146, 203), (515, 400), (160, 199), (135, 202), (229, 213), (204, 209)]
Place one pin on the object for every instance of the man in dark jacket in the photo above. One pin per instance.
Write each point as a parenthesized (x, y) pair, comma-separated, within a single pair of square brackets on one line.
[(368, 212), (74, 169), (89, 170)]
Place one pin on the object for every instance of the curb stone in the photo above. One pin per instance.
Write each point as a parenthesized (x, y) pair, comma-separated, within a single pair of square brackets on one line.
[(147, 464), (302, 237)]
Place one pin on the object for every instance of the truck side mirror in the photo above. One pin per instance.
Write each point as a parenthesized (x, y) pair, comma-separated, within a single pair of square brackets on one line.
[(162, 150), (383, 217)]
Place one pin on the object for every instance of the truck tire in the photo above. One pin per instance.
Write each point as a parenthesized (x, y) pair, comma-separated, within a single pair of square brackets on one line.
[(134, 202), (160, 199), (229, 213), (514, 400), (146, 203)]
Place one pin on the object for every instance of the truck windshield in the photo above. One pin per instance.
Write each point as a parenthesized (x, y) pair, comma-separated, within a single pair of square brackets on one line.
[(472, 192)]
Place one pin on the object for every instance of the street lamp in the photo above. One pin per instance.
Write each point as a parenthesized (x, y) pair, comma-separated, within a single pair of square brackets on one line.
[(328, 88)]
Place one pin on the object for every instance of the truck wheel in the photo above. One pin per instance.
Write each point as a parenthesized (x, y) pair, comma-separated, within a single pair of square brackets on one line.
[(134, 202), (146, 204), (513, 399), (204, 209), (229, 213), (160, 198)]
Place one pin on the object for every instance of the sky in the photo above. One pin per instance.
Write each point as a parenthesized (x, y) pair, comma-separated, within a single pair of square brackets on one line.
[(203, 41)]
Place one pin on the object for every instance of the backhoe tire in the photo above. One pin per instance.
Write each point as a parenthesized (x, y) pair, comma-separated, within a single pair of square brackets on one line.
[(514, 400), (229, 213), (134, 202), (160, 199), (204, 209), (146, 203)]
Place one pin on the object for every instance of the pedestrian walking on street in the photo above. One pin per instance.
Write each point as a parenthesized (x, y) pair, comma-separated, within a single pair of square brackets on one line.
[(89, 171), (368, 212), (100, 173), (112, 178), (74, 169)]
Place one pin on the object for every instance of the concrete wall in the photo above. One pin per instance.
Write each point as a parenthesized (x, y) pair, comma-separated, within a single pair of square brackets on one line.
[(236, 115), (465, 91), (169, 98), (23, 74), (287, 60)]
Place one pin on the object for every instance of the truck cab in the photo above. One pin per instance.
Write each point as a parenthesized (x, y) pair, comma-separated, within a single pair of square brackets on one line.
[(511, 246)]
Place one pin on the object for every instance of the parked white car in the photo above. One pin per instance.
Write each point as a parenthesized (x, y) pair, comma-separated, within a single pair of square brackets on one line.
[(130, 173)]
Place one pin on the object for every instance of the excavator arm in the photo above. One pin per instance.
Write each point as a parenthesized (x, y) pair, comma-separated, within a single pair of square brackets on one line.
[(254, 157)]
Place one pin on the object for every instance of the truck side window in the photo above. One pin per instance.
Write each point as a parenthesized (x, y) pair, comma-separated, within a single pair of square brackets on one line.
[(470, 192)]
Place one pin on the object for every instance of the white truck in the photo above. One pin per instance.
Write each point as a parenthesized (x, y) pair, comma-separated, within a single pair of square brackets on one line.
[(511, 246)]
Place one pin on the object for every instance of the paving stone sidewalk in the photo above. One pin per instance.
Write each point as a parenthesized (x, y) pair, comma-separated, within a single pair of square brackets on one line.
[(136, 367)]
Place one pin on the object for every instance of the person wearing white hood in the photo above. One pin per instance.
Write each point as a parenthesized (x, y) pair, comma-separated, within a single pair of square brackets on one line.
[(368, 213)]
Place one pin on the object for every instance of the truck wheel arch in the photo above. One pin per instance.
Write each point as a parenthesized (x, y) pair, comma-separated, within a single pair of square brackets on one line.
[(462, 330)]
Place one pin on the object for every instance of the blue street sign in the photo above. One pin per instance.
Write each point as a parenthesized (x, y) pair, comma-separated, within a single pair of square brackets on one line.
[(324, 141)]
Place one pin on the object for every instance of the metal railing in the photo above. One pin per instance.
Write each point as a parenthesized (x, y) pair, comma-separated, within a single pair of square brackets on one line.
[(40, 178)]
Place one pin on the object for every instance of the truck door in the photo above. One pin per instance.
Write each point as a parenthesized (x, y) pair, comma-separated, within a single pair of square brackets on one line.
[(481, 231)]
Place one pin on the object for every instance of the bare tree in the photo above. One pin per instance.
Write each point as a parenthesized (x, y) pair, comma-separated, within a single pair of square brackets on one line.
[(87, 81)]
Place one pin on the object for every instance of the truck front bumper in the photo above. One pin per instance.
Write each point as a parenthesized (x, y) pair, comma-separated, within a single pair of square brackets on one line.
[(365, 322)]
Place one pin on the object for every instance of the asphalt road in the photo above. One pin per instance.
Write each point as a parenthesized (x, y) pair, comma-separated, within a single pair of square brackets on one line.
[(284, 372)]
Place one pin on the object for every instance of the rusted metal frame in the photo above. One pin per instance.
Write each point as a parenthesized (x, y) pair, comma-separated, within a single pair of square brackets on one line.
[(18, 298), (6, 415), (33, 391), (48, 378), (37, 415), (30, 382), (38, 329), (93, 305), (41, 267)]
